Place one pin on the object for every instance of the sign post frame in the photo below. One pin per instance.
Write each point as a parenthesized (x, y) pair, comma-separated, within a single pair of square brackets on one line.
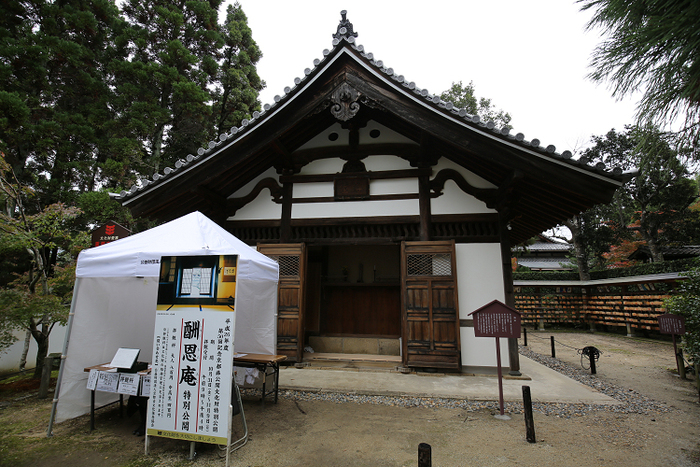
[(674, 325), (497, 319)]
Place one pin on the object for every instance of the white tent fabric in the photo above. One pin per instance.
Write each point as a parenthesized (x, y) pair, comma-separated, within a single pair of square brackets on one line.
[(115, 296)]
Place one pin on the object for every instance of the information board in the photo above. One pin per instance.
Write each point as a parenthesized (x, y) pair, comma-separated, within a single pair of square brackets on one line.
[(192, 368), (496, 320), (191, 375), (671, 324)]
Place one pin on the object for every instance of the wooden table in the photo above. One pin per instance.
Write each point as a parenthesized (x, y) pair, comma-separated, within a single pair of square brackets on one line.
[(263, 363)]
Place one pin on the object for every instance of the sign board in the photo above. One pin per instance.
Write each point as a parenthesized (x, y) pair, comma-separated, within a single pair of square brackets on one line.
[(192, 368), (108, 233), (496, 320), (191, 375), (671, 324)]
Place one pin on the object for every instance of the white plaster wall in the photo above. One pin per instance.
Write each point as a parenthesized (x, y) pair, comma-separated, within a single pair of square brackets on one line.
[(481, 351), (323, 167), (381, 163), (479, 276), (356, 209), (262, 207), (393, 187), (9, 360), (453, 199), (473, 179), (479, 282), (312, 190)]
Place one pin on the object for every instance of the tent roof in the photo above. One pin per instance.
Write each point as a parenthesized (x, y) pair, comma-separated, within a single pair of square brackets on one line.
[(537, 187), (138, 255)]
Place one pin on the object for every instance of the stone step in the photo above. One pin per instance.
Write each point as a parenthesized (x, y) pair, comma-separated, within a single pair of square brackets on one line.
[(352, 361)]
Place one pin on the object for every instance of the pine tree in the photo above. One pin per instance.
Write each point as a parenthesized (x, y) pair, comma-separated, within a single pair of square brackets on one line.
[(163, 87), (651, 46), (54, 94), (236, 94)]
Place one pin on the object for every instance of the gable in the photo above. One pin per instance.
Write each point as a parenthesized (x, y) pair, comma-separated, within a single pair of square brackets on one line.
[(346, 96)]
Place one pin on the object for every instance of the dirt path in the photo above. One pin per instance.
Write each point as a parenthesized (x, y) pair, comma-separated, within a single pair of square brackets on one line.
[(325, 433)]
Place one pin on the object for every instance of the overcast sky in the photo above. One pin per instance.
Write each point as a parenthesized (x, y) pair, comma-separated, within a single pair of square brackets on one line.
[(530, 57)]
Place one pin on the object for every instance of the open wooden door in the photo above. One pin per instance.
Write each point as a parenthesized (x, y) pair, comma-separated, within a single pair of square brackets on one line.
[(430, 314), (290, 303)]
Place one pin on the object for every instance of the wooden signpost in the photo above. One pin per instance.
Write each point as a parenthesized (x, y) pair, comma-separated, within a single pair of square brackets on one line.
[(497, 320), (674, 325)]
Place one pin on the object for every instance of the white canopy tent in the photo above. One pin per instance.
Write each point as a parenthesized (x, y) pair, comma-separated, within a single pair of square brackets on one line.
[(115, 295)]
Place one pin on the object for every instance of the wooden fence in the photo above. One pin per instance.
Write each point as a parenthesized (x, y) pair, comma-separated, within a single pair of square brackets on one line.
[(633, 302)]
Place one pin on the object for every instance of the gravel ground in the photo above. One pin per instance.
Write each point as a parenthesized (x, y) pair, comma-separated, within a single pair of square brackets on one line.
[(632, 401), (657, 424)]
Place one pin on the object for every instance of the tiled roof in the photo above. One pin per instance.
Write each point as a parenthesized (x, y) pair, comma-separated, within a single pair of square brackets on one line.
[(546, 263), (345, 37)]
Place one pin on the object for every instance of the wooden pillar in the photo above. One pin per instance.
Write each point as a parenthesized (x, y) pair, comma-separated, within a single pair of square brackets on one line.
[(424, 207), (507, 268), (286, 221)]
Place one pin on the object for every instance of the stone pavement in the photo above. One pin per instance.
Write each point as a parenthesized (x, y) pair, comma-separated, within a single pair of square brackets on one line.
[(546, 385)]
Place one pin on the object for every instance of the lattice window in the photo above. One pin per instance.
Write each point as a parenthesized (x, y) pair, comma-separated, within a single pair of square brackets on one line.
[(439, 264), (289, 264)]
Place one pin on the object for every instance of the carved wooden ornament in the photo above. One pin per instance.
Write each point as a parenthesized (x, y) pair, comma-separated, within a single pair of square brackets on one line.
[(344, 100)]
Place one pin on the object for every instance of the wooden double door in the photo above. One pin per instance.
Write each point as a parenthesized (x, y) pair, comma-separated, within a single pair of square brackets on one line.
[(429, 314)]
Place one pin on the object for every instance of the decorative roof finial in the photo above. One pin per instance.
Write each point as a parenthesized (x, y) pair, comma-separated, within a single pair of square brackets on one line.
[(344, 28)]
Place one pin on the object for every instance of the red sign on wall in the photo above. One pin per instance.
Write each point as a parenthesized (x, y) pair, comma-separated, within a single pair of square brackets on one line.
[(496, 320), (108, 233), (671, 324)]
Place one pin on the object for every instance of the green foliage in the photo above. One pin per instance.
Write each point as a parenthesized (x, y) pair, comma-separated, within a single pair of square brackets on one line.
[(687, 304), (236, 96), (162, 91), (652, 46), (463, 97), (55, 93), (38, 298), (654, 205), (679, 265)]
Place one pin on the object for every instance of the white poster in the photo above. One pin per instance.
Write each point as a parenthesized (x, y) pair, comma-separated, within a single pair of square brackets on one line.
[(92, 379), (128, 384), (192, 368), (146, 385), (107, 381), (192, 374)]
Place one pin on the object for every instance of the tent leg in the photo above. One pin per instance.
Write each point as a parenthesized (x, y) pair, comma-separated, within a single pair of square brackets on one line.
[(49, 432)]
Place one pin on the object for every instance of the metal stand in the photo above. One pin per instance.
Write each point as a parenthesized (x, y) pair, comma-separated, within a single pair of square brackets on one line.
[(239, 443)]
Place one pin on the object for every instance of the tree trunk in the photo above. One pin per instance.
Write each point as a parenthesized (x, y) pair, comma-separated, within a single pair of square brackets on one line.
[(574, 225), (41, 336), (25, 350), (650, 233)]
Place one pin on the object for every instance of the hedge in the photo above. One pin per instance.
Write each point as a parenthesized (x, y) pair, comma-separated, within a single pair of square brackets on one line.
[(679, 265)]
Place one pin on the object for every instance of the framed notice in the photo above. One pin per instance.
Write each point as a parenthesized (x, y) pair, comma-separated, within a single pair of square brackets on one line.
[(191, 376), (192, 367)]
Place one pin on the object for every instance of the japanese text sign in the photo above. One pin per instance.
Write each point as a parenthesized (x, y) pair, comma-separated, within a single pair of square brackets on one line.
[(671, 324), (192, 374), (496, 320)]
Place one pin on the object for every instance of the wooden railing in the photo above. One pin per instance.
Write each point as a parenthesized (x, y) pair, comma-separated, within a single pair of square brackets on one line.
[(632, 302)]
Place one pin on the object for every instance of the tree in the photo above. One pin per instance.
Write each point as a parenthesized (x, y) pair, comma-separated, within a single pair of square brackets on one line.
[(163, 88), (651, 46), (654, 203), (238, 83), (591, 238), (38, 299), (54, 96), (687, 304), (463, 97)]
